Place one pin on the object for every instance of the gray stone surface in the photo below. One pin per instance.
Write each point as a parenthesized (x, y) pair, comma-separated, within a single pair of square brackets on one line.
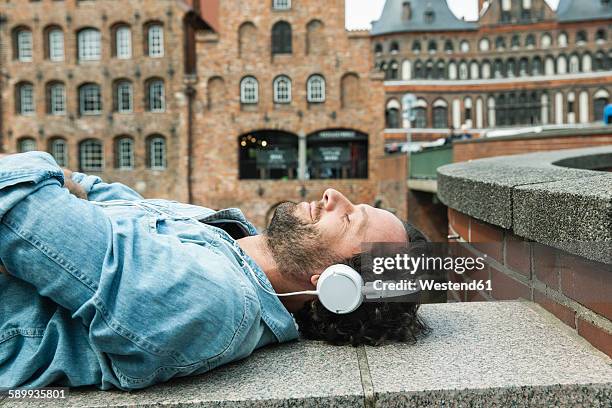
[(509, 189), (478, 354), (491, 354)]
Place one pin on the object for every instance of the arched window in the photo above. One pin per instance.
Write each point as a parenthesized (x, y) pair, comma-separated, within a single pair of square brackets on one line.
[(394, 47), (530, 41), (420, 114), (601, 36), (416, 47), (500, 43), (545, 109), (282, 89), (524, 67), (316, 42), (281, 4), (491, 112), (515, 43), (24, 98), (124, 153), (315, 89), (22, 44), (91, 155), (432, 47), (449, 48), (247, 38), (600, 100), (463, 70), (378, 49), (26, 144), (474, 70), (484, 44), (581, 37), (55, 43), (429, 69), (574, 64), (155, 40), (429, 16), (498, 69), (536, 66), (349, 90), (249, 90), (89, 44), (281, 38), (546, 41), (122, 35), (123, 96), (464, 46), (392, 114), (561, 64), (600, 61), (406, 11), (56, 98), (587, 64), (156, 152), (406, 70), (216, 93), (156, 95), (59, 151), (467, 111), (393, 72), (583, 107), (479, 113), (571, 108), (440, 114), (486, 69), (562, 39), (440, 71), (452, 70), (90, 99), (549, 65), (511, 67)]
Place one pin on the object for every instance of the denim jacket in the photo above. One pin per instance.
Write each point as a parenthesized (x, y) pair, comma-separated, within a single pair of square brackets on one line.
[(122, 291)]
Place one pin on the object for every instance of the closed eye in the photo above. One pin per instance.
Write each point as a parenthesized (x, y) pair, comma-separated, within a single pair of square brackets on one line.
[(347, 218)]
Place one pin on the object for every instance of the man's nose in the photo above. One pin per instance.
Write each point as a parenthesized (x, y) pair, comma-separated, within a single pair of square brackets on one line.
[(333, 199)]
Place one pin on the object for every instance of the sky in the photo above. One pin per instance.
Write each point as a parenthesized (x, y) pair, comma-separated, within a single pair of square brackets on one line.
[(360, 13)]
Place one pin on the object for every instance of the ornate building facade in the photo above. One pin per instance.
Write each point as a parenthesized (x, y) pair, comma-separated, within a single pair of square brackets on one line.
[(287, 106), (521, 64), (102, 85)]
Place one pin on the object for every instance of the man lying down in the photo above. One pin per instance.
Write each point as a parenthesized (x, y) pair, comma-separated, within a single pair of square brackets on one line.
[(101, 287)]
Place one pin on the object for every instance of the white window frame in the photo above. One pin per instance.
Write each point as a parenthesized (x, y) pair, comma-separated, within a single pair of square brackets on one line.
[(24, 45), (484, 44), (155, 40), (89, 43), (59, 152), (157, 96), (26, 99), (85, 93), (546, 41), (27, 141), (57, 99), (249, 90), (123, 42), (154, 143), (125, 86), (464, 46), (125, 153), (281, 4), (91, 155), (315, 88), (56, 45), (282, 95)]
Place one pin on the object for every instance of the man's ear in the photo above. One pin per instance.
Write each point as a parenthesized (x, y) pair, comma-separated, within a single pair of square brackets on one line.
[(314, 279)]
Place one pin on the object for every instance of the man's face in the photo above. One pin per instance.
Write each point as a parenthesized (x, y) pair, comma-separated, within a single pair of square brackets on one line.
[(307, 237)]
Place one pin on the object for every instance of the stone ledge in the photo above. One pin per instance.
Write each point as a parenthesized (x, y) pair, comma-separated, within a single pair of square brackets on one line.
[(537, 198), (507, 353)]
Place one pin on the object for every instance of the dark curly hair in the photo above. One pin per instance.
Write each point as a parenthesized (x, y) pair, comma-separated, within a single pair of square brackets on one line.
[(372, 324)]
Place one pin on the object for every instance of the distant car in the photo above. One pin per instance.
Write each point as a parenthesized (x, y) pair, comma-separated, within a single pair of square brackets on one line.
[(607, 116)]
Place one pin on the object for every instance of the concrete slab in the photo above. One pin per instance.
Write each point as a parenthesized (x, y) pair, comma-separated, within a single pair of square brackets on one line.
[(491, 354)]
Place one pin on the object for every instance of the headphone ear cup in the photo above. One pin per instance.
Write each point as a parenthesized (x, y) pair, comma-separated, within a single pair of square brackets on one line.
[(340, 289)]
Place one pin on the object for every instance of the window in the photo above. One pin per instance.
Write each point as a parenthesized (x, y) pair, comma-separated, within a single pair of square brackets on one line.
[(89, 44), (562, 40), (26, 144), (498, 68), (393, 71), (91, 155), (392, 115), (474, 70), (523, 67), (156, 101), (464, 46), (249, 90), (484, 44), (452, 70), (56, 98), (416, 47), (574, 64), (561, 64), (337, 154), (55, 38), (515, 42), (281, 38), (155, 40), (530, 41), (406, 11), (90, 99), (432, 47), (281, 4), (59, 151), (282, 89), (581, 37), (124, 96), (500, 43), (546, 41), (315, 88), (23, 45), (316, 38), (394, 47), (378, 49), (268, 154), (601, 36), (124, 152), (511, 67), (536, 66), (123, 42), (601, 98), (25, 98), (440, 114), (157, 152), (486, 69), (420, 114), (429, 16), (463, 71), (449, 47)]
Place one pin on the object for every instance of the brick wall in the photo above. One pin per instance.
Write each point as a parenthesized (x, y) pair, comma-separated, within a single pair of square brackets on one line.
[(572, 288), (469, 150)]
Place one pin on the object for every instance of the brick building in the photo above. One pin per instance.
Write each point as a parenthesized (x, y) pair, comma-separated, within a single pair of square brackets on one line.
[(102, 85), (287, 106), (520, 64)]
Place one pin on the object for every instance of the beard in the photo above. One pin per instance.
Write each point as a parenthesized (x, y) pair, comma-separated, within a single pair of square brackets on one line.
[(296, 246)]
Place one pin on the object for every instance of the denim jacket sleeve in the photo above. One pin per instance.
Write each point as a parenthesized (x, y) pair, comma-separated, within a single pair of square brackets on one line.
[(97, 190)]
